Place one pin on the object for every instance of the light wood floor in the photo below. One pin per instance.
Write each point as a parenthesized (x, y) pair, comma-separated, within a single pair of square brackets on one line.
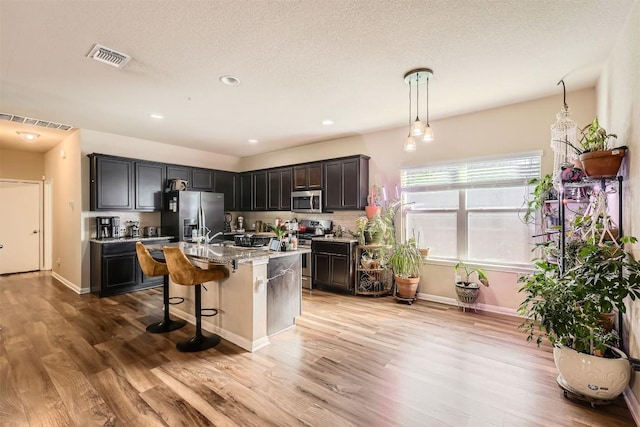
[(70, 360)]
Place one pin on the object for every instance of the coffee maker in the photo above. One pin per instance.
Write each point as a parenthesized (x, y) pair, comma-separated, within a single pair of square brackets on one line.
[(107, 227), (133, 228)]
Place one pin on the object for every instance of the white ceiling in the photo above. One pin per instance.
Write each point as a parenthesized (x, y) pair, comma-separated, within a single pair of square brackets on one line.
[(299, 62)]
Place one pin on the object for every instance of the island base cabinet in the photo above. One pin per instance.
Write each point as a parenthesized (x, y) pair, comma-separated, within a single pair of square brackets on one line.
[(115, 269)]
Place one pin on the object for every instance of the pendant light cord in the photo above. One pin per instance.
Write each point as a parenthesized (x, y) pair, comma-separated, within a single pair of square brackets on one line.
[(409, 107), (417, 95)]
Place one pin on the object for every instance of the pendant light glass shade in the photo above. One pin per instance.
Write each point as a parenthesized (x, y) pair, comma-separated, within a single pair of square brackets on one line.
[(417, 127), (409, 144), (428, 134)]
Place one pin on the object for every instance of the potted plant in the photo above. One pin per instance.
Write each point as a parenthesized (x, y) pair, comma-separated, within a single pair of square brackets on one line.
[(279, 231), (376, 230), (542, 191), (466, 289), (597, 156), (406, 262), (373, 207), (569, 308)]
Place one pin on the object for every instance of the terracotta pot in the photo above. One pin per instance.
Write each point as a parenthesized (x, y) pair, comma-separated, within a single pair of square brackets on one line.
[(595, 377), (602, 163), (407, 286), (372, 210)]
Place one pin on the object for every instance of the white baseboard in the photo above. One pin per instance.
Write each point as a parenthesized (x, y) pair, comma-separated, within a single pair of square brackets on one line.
[(478, 306), (68, 284), (244, 343), (633, 404)]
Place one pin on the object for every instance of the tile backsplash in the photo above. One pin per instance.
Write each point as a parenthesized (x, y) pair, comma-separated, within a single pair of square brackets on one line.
[(345, 219), (144, 218)]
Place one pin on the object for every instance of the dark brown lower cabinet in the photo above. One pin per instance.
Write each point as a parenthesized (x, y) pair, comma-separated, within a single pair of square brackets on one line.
[(115, 269), (332, 265)]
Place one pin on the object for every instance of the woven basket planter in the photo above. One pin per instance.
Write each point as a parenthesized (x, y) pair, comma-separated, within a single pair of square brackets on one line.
[(467, 292)]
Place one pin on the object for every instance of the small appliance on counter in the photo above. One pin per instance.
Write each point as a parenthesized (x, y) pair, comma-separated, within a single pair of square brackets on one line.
[(133, 228), (150, 231), (107, 227), (240, 224), (228, 220)]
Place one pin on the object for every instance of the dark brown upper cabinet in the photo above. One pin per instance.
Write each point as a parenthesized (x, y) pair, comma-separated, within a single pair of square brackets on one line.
[(228, 183), (307, 177), (149, 185), (259, 190), (279, 189), (346, 183), (111, 186), (202, 179), (246, 191)]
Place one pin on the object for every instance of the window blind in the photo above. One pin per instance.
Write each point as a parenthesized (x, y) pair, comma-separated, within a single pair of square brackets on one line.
[(513, 170)]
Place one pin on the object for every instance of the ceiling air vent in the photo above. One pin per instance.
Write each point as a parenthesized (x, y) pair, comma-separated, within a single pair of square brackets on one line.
[(36, 122), (108, 56)]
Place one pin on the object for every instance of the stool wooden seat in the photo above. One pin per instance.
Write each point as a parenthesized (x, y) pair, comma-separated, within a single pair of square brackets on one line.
[(151, 267), (184, 273)]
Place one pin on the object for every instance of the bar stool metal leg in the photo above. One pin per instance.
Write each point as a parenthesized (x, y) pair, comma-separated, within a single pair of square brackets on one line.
[(167, 324), (199, 341)]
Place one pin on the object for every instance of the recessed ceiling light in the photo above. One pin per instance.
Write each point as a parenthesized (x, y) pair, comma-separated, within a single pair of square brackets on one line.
[(230, 80), (28, 136), (327, 122), (253, 141), (156, 116)]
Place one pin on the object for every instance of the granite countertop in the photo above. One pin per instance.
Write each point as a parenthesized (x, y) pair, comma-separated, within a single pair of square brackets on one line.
[(220, 254), (336, 239), (130, 239)]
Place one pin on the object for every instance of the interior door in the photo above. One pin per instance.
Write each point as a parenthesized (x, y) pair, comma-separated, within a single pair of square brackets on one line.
[(19, 227)]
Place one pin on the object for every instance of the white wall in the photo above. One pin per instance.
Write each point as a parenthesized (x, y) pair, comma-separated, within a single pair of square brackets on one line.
[(64, 175), (619, 112)]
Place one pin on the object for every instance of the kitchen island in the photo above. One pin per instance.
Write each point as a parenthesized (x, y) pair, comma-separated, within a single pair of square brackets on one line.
[(261, 297)]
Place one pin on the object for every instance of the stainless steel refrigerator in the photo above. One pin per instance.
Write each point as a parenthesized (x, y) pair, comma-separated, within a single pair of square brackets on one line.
[(185, 211)]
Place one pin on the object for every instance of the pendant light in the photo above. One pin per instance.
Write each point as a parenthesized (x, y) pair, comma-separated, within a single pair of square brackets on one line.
[(564, 136), (410, 142), (428, 131), (417, 128)]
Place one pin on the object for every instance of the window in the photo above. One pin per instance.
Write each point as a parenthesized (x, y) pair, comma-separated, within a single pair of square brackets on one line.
[(471, 210)]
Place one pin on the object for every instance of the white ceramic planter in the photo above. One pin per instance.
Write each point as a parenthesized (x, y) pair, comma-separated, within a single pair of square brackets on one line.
[(595, 377)]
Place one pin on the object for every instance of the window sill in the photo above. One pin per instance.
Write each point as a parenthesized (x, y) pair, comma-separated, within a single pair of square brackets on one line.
[(516, 269)]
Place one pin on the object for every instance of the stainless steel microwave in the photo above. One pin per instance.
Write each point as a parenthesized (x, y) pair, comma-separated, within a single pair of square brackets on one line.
[(306, 201)]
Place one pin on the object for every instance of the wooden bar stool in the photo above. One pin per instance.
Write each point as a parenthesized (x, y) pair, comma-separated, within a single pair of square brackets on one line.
[(184, 273), (151, 267)]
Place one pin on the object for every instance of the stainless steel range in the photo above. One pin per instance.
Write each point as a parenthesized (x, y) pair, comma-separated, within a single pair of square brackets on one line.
[(312, 228)]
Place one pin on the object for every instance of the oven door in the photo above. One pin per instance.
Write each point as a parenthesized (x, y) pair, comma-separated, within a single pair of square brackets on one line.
[(306, 270)]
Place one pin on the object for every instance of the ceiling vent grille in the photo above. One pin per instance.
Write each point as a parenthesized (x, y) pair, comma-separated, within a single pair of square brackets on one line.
[(108, 56), (35, 122)]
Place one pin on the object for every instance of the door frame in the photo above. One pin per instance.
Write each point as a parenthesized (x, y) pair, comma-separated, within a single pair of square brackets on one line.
[(42, 261)]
